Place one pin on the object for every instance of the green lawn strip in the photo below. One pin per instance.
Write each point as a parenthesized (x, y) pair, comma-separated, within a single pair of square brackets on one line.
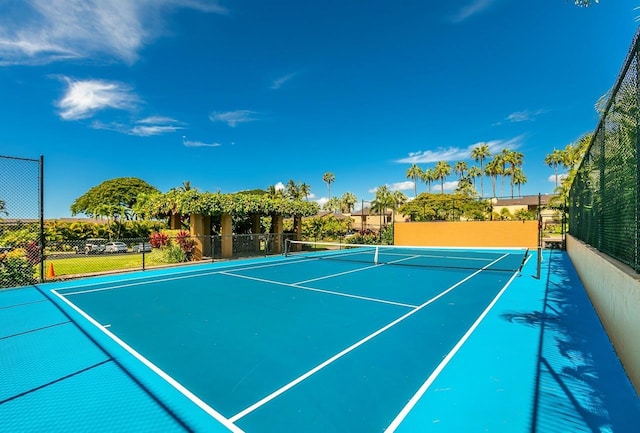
[(102, 263)]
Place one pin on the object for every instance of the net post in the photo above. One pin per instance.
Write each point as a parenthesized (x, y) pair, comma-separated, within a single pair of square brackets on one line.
[(375, 256), (539, 261), (287, 247)]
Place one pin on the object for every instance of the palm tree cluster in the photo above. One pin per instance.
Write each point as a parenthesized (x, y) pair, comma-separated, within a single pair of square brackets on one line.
[(568, 158), (291, 191), (507, 163), (387, 199), (345, 204)]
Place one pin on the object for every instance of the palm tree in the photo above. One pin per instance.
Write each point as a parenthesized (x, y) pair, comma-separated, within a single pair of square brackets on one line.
[(442, 170), (348, 201), (461, 168), (514, 159), (399, 198), (333, 205), (186, 186), (493, 170), (519, 179), (501, 157), (3, 208), (480, 153), (305, 190), (292, 190), (474, 173), (427, 177), (554, 159), (273, 192), (329, 178), (414, 172), (383, 200)]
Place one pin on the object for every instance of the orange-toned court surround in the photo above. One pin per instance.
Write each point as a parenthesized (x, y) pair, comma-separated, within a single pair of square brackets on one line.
[(468, 234)]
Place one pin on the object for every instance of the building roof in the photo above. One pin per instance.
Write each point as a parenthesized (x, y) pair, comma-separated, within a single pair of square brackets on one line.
[(368, 212)]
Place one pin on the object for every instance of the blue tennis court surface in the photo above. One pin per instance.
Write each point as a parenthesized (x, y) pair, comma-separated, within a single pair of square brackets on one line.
[(315, 345)]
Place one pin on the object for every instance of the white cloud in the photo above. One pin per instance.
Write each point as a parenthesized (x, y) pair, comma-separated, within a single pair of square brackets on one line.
[(321, 201), (402, 186), (561, 177), (148, 130), (450, 186), (233, 118), (191, 143), (279, 186), (471, 9), (83, 98), (143, 128), (43, 31), (523, 116), (457, 153), (282, 80)]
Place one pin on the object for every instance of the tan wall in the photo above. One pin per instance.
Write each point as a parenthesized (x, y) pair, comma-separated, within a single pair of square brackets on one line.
[(468, 234), (615, 294)]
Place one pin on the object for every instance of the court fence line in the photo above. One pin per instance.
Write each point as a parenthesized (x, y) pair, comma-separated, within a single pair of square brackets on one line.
[(22, 237), (604, 200)]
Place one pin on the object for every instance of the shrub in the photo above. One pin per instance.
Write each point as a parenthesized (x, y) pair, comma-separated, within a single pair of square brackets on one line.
[(159, 240), (16, 271), (366, 237), (174, 254)]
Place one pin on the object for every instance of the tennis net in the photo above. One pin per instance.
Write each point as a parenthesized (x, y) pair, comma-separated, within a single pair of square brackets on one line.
[(492, 259)]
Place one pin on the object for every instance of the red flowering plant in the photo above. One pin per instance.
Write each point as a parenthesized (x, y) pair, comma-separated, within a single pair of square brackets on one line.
[(158, 240), (187, 244)]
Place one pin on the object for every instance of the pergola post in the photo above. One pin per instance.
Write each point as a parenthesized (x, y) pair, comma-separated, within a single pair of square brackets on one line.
[(201, 232), (227, 236), (297, 230), (276, 229), (175, 221)]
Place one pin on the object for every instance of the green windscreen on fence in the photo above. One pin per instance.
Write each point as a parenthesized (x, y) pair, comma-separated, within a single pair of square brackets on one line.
[(603, 201)]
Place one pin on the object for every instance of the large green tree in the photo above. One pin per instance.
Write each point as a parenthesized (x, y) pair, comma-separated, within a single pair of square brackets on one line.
[(114, 198)]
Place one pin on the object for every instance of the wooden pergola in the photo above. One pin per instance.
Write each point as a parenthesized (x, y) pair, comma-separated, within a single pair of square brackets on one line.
[(203, 206)]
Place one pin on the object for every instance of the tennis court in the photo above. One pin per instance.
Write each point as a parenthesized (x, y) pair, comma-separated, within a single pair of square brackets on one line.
[(347, 340)]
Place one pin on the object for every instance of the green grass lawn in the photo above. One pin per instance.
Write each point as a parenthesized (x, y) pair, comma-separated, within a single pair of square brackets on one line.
[(81, 264)]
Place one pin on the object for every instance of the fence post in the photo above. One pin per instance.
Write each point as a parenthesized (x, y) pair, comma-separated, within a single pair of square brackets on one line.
[(42, 239)]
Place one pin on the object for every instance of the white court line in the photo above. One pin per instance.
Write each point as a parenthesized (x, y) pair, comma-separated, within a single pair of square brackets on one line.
[(354, 346), (184, 391), (329, 292), (434, 375), (354, 270)]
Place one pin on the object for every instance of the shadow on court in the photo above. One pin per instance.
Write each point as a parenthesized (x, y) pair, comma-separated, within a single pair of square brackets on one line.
[(580, 383)]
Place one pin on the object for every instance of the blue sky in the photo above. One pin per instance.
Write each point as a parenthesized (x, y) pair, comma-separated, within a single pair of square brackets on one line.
[(234, 95)]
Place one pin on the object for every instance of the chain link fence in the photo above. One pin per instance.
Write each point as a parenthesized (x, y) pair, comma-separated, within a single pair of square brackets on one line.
[(21, 221), (604, 204), (94, 256)]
